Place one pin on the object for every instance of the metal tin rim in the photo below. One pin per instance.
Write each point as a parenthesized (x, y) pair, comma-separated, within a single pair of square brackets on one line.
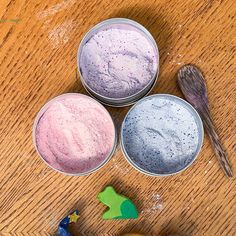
[(124, 104), (117, 21), (39, 115), (200, 143)]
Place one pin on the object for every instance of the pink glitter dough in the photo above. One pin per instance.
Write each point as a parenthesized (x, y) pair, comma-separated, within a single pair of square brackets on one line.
[(74, 133)]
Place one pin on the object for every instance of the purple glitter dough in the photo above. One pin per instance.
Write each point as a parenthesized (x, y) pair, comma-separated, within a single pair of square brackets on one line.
[(118, 61)]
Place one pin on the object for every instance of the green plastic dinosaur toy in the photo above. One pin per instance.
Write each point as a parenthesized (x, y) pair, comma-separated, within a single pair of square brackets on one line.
[(120, 207)]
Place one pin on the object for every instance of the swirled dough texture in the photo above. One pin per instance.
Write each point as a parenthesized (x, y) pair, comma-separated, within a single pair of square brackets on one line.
[(75, 133), (161, 135), (118, 62)]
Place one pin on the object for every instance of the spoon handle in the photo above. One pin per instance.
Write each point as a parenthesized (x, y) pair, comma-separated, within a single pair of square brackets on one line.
[(215, 141)]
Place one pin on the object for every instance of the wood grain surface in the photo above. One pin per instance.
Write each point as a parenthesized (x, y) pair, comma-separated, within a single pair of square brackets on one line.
[(38, 47)]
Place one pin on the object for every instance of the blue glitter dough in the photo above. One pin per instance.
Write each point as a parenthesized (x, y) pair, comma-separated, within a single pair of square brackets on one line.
[(162, 135)]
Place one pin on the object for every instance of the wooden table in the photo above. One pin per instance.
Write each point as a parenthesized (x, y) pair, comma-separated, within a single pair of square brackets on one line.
[(38, 47)]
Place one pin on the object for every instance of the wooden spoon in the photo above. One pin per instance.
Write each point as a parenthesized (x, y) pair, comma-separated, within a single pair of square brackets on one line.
[(191, 82)]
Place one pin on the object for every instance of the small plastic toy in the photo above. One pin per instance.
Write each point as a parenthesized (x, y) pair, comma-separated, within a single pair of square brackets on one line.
[(63, 227), (120, 207)]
